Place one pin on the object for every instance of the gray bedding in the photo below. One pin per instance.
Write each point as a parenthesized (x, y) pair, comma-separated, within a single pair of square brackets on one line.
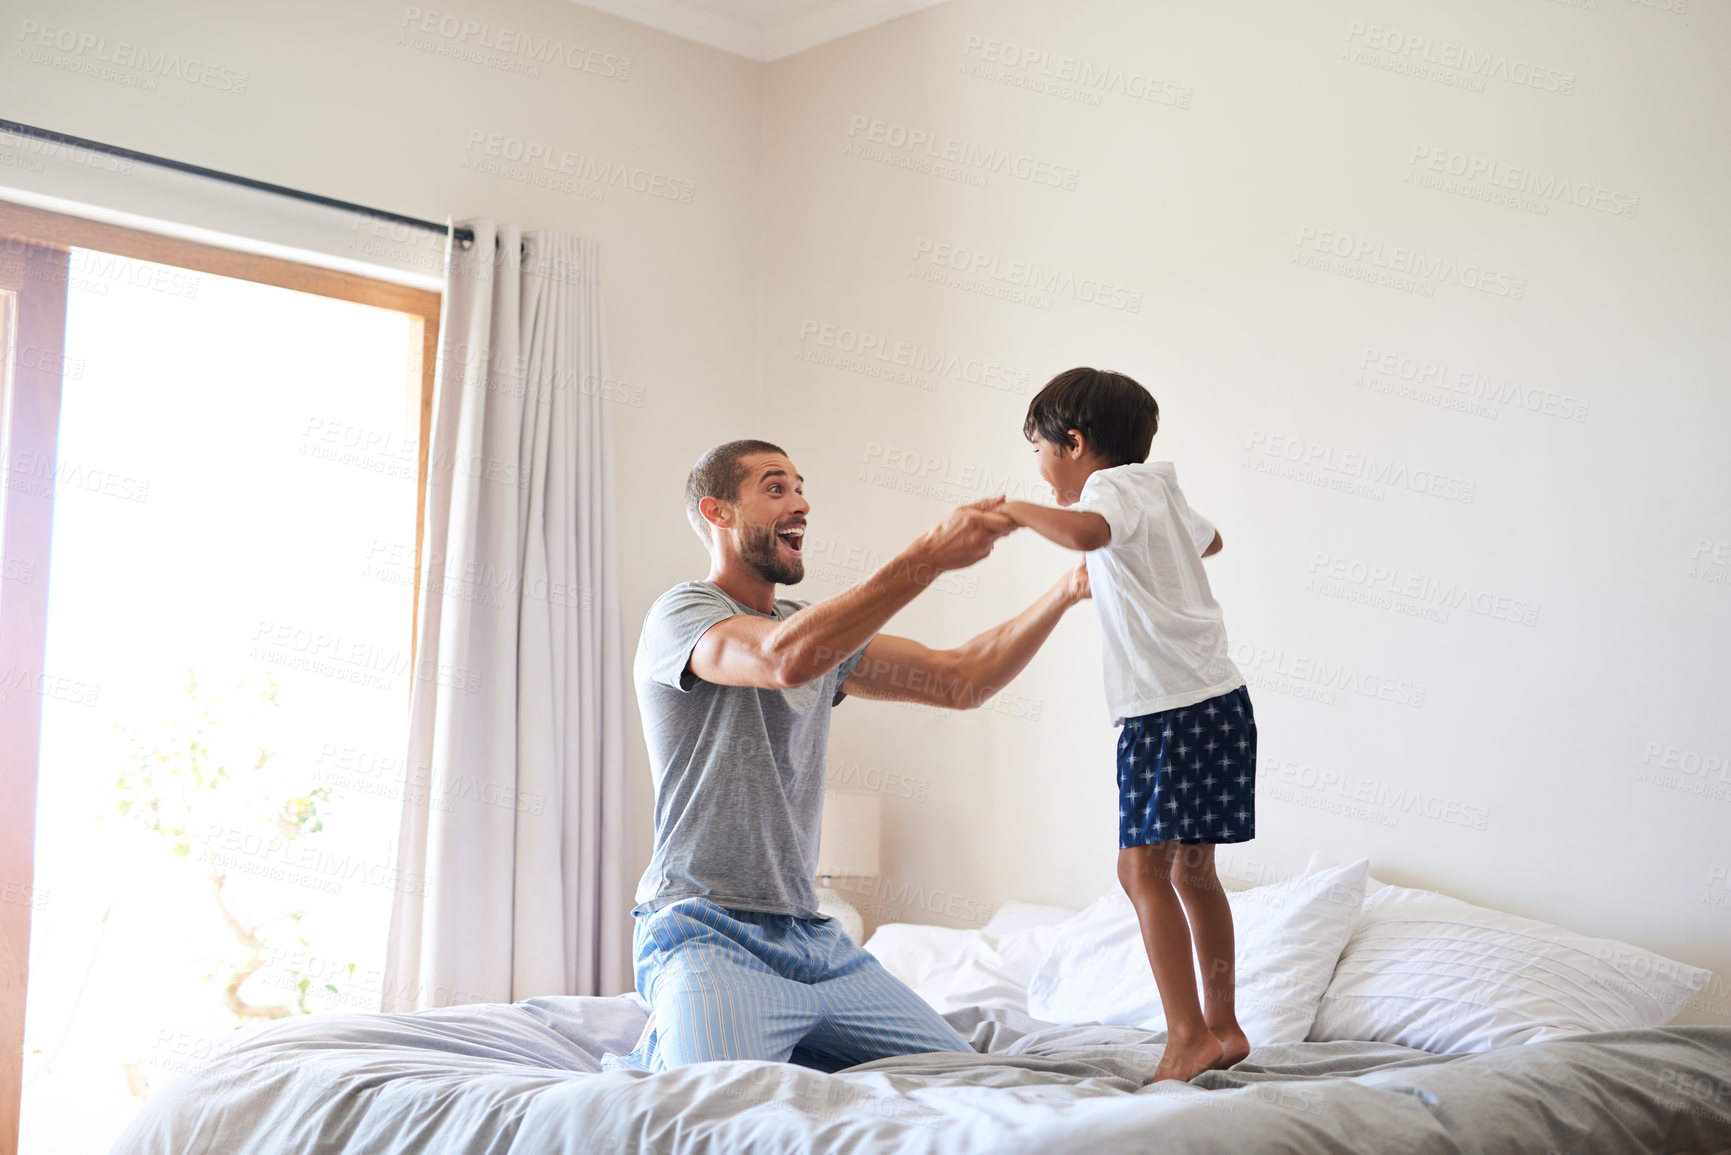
[(525, 1078)]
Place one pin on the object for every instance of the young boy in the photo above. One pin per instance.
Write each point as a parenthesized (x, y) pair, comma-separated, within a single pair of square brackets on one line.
[(1187, 750)]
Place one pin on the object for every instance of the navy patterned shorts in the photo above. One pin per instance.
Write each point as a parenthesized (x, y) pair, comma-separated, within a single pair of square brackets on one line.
[(1189, 774)]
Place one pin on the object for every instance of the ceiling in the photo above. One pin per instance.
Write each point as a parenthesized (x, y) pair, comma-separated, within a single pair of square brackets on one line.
[(760, 29)]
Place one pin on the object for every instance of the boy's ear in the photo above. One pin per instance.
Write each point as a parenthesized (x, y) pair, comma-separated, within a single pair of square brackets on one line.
[(1078, 444)]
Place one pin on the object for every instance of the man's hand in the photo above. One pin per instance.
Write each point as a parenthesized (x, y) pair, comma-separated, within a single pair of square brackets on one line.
[(1076, 586), (747, 650), (966, 536)]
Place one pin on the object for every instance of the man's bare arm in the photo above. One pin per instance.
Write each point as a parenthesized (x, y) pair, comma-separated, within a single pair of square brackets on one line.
[(750, 651), (898, 669), (1214, 546), (1070, 528)]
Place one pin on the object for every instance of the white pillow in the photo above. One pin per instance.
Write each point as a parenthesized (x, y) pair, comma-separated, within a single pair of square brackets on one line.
[(923, 957), (1014, 916), (995, 972), (1288, 937), (1433, 972), (1321, 860), (951, 968), (1021, 952)]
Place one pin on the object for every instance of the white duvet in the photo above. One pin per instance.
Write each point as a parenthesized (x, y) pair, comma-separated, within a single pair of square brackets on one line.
[(523, 1079), (526, 1077)]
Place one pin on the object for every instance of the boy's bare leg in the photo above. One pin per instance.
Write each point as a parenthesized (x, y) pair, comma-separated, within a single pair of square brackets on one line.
[(1145, 872), (1198, 887)]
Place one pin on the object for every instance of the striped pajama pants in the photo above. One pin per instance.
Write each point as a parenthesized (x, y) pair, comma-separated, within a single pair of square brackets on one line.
[(742, 984)]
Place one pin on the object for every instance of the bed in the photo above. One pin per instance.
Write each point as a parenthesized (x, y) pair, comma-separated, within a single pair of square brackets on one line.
[(1503, 1068)]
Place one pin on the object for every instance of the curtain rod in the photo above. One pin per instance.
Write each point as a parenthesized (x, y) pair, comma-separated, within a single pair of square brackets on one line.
[(462, 236)]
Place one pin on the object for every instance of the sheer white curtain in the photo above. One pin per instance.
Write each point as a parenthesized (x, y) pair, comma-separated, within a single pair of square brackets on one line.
[(512, 844)]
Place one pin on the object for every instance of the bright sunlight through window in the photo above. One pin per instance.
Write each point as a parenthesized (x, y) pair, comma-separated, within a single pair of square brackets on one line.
[(227, 680)]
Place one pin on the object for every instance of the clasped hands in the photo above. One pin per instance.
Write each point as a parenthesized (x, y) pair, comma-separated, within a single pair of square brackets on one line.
[(968, 534)]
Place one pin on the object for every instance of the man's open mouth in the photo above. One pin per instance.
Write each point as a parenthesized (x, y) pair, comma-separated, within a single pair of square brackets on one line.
[(793, 537)]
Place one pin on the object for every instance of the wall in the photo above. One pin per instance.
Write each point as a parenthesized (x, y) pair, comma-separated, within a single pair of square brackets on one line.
[(360, 101), (1439, 345), (1463, 442)]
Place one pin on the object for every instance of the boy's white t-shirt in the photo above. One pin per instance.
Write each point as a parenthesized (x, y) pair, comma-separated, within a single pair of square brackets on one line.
[(1162, 633)]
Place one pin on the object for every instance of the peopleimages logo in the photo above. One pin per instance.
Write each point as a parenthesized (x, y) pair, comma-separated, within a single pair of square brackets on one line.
[(1406, 51), (943, 478), (1711, 561), (1545, 188), (828, 561), (96, 55), (1385, 586), (1426, 270), (868, 347), (1664, 756), (899, 896), (92, 272), (58, 151), (1022, 281), (1267, 661), (1468, 383), (1067, 77), (487, 149), (41, 475), (518, 51), (913, 147), (59, 687), (1359, 796), (1349, 470)]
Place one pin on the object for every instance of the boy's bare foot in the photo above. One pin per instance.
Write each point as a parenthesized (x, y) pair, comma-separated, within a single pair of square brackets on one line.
[(1235, 1048), (1184, 1059)]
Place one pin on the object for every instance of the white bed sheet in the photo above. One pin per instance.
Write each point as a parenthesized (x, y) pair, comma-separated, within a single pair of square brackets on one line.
[(521, 1079)]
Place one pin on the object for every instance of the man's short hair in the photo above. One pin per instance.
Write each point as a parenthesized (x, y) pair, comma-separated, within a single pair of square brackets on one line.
[(1117, 416), (719, 473)]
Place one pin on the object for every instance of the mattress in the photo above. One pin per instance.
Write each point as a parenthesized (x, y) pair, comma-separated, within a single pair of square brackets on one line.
[(525, 1077)]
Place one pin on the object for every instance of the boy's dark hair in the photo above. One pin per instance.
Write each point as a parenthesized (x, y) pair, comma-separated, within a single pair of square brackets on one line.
[(718, 473), (1117, 416)]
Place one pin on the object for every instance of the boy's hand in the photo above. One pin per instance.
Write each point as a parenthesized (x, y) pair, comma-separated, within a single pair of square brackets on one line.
[(966, 536), (1076, 584), (999, 509)]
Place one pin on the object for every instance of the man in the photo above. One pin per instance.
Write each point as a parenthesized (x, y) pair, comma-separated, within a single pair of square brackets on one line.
[(735, 687)]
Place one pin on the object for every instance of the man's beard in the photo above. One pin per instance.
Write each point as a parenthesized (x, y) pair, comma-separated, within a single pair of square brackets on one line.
[(760, 549)]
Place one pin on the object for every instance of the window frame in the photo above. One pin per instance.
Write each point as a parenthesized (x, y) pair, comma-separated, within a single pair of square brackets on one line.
[(53, 235)]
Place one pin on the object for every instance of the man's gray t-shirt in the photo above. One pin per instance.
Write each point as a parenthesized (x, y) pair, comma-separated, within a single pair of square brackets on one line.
[(738, 771)]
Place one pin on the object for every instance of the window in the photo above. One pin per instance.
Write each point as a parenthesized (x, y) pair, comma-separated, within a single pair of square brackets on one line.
[(232, 472)]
